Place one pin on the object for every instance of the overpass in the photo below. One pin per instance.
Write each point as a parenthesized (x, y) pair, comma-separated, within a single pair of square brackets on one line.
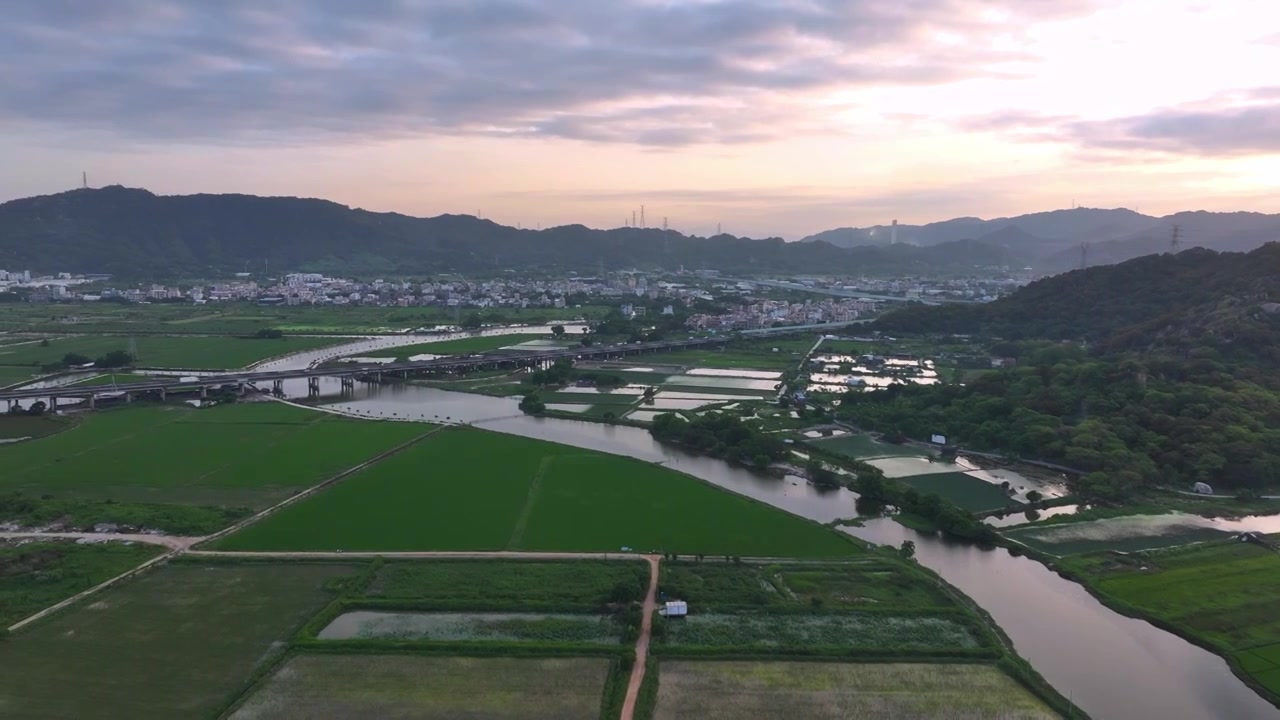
[(349, 373), (856, 294)]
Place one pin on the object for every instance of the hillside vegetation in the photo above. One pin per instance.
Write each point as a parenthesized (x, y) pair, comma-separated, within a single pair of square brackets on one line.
[(1169, 379)]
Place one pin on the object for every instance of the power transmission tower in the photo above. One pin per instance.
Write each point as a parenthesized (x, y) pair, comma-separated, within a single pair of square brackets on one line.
[(1084, 254), (1175, 239)]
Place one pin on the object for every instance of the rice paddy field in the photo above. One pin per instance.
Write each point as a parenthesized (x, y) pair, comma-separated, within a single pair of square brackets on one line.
[(36, 575), (467, 489), (115, 379), (355, 687), (1223, 592), (962, 490), (250, 454), (492, 584), (723, 690), (196, 352), (859, 584), (1129, 533), (179, 642), (473, 627), (13, 427), (864, 447)]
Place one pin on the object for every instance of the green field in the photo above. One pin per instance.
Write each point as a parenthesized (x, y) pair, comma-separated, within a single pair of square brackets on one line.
[(250, 454), (466, 489), (1223, 592), (115, 379), (813, 691), (355, 687), (961, 490), (478, 344), (862, 447), (867, 583), (509, 584), (746, 354), (178, 642), (36, 575), (14, 375), (193, 352), (246, 318)]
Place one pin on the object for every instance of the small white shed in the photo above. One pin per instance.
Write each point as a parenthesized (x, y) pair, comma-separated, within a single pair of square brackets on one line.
[(675, 608), (1202, 488)]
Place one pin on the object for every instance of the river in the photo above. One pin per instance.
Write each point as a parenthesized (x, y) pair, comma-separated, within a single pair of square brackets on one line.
[(1110, 665)]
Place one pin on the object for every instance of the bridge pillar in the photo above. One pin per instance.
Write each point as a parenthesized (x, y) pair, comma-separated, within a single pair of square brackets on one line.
[(313, 387), (53, 403), (277, 387), (93, 401), (164, 394), (377, 377), (128, 398), (240, 388), (204, 392)]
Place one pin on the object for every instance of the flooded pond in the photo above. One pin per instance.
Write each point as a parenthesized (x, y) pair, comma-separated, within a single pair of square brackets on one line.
[(717, 372), (394, 625), (720, 382)]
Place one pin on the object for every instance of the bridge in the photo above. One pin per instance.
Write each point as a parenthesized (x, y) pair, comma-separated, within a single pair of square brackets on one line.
[(352, 371), (349, 373)]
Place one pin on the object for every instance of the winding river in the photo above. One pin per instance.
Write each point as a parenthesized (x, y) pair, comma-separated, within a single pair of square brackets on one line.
[(1110, 665)]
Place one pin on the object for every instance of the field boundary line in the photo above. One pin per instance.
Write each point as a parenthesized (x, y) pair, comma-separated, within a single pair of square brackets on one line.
[(535, 485), (308, 492)]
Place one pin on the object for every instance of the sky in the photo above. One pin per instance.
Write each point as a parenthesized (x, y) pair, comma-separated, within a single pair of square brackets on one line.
[(762, 117)]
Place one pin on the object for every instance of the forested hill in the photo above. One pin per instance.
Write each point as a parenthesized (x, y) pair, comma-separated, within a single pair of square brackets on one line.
[(135, 233), (1173, 303)]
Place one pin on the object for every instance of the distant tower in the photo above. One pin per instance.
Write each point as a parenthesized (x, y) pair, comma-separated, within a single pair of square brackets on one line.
[(1175, 240), (633, 218), (1084, 254), (84, 180), (717, 228), (642, 217), (664, 223), (893, 233)]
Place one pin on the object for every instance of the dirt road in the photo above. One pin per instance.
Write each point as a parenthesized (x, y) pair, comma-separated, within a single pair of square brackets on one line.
[(173, 542), (642, 643)]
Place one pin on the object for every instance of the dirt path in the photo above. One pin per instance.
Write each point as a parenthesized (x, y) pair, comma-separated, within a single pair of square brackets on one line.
[(642, 643), (173, 542)]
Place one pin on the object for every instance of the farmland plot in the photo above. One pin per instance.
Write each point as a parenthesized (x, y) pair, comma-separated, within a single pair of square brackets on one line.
[(357, 687), (813, 691), (375, 625), (864, 630), (1127, 534)]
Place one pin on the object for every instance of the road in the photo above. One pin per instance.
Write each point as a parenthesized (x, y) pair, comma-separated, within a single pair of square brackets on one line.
[(642, 642)]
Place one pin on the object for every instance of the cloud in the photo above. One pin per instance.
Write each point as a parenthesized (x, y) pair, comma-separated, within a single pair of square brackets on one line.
[(1237, 122), (633, 71)]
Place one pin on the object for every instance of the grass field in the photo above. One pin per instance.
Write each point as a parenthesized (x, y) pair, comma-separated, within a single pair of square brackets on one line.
[(1128, 533), (746, 354), (827, 691), (13, 375), (964, 491), (193, 352), (466, 489), (861, 447), (1225, 592), (492, 584), (248, 454), (246, 318), (479, 344), (355, 687), (175, 643), (36, 575), (115, 379)]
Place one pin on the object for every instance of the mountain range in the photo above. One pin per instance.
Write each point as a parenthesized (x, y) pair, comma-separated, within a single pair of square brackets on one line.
[(133, 233), (1051, 241)]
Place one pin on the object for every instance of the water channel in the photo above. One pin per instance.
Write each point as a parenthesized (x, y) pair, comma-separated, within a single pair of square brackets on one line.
[(1110, 665)]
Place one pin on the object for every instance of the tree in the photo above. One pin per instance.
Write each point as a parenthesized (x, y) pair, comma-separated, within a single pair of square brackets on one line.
[(73, 359), (557, 330), (532, 404), (37, 408), (44, 342), (269, 334), (1033, 496), (907, 550), (472, 321), (115, 359)]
